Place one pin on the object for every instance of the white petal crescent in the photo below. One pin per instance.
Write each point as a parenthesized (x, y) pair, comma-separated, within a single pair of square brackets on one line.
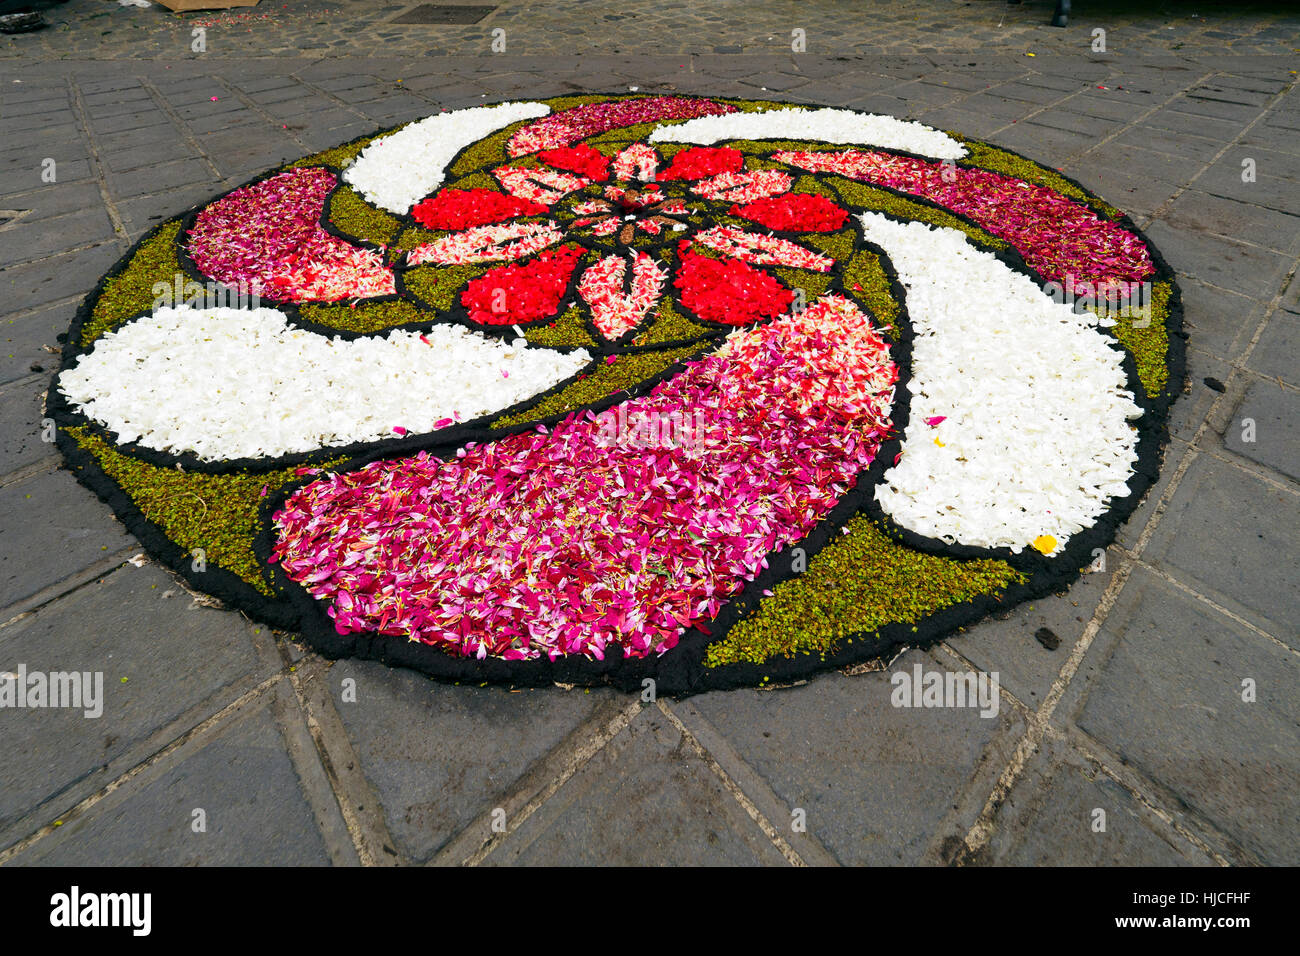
[(822, 125), (1036, 436), (398, 170), (242, 383)]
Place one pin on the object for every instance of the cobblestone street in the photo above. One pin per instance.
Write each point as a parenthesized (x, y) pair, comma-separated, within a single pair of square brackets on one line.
[(1138, 711)]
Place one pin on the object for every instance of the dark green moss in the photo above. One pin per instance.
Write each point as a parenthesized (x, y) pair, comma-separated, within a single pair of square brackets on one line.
[(353, 216), (438, 286), (414, 236), (866, 281), (753, 147), (473, 181), (859, 583), (217, 513), (132, 291), (671, 326), (812, 283), (568, 329), (837, 245), (365, 316), (813, 186), (1142, 331)]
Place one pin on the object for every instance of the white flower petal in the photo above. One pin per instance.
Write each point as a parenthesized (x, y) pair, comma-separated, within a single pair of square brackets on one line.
[(397, 171), (1036, 436), (243, 383), (821, 125)]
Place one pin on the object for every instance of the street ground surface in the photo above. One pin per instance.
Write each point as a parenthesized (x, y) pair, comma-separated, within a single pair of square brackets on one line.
[(1138, 713)]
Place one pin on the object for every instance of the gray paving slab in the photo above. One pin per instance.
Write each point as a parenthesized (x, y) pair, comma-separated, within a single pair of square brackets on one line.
[(56, 277), (253, 811), (1197, 211), (1170, 143), (159, 177), (1266, 427), (1224, 178), (26, 342), (51, 200), (1070, 812), (1199, 395), (1205, 106), (437, 756), (1228, 264), (1218, 321), (22, 434), (128, 160), (1036, 140), (1069, 118), (1177, 674), (1230, 534), (643, 800), (126, 627), (1009, 643), (23, 243), (1277, 353), (872, 778), (1179, 121), (1128, 534), (53, 528)]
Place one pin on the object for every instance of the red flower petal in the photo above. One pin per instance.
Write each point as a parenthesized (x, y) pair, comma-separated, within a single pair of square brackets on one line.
[(794, 212), (728, 291), (460, 209), (580, 159), (518, 294), (700, 162)]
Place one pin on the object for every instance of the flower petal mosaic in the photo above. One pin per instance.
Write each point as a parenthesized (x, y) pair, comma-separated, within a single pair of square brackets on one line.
[(607, 389)]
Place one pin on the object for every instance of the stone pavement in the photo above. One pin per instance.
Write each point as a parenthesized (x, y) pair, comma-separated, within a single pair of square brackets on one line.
[(1139, 712), (103, 29)]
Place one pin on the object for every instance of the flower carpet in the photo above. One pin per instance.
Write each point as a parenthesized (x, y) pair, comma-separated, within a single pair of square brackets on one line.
[(601, 389)]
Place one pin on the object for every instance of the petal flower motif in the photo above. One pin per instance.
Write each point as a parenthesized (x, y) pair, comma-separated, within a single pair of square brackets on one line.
[(581, 159), (537, 185), (614, 311), (611, 531), (569, 126), (266, 239), (463, 208), (762, 250), (638, 161), (522, 294), (702, 162), (794, 212), (744, 186), (633, 205), (498, 243), (1063, 240), (679, 237), (728, 291)]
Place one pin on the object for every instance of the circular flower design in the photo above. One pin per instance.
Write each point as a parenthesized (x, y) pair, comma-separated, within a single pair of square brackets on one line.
[(711, 391), (641, 214)]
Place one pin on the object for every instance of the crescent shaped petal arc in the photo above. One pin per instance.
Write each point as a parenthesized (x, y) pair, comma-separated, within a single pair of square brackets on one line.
[(1019, 425), (397, 171), (822, 125), (253, 386)]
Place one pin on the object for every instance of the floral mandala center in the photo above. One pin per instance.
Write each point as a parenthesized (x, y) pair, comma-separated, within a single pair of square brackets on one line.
[(605, 388)]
